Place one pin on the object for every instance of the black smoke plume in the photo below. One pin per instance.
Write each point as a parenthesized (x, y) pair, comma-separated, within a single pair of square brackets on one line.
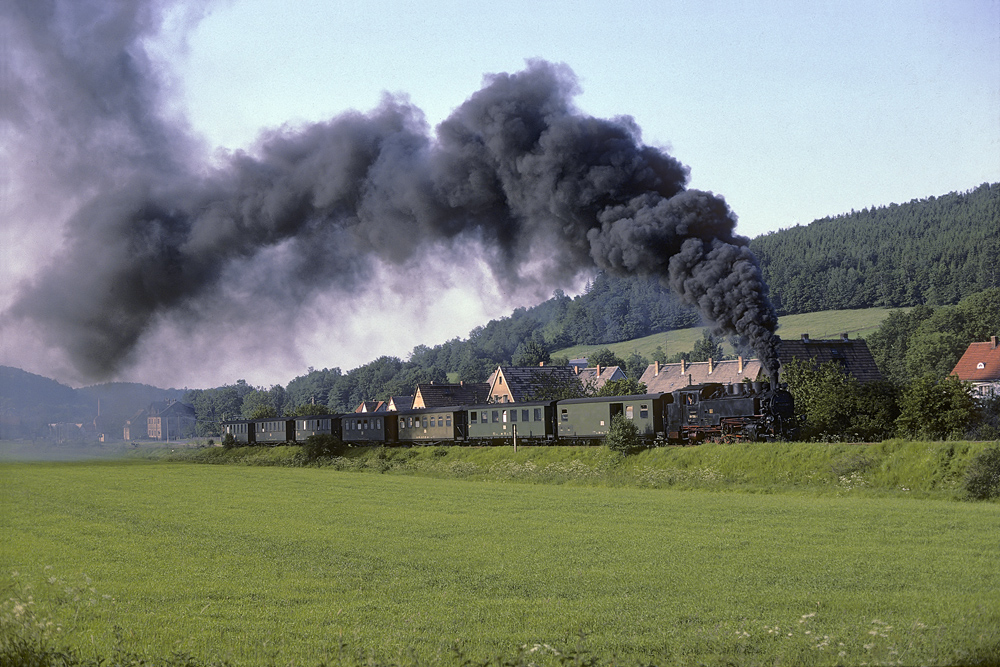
[(541, 190)]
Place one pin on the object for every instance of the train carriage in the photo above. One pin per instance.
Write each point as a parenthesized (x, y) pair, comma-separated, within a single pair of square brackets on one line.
[(590, 418), (242, 431), (430, 425), (496, 423), (309, 425), (273, 430), (369, 427)]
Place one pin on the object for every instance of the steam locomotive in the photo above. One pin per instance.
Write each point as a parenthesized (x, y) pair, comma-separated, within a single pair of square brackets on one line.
[(698, 413)]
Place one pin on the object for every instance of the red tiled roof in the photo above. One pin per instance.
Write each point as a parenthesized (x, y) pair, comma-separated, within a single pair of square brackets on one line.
[(987, 354)]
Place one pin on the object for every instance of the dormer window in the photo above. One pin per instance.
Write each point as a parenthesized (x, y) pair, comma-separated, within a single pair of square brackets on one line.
[(980, 365)]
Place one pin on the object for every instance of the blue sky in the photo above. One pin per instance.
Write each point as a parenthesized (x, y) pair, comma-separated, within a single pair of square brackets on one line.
[(790, 110)]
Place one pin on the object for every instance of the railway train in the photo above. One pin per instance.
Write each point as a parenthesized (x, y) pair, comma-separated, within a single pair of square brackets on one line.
[(708, 412)]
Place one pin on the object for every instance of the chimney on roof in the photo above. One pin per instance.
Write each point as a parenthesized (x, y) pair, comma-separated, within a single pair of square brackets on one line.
[(541, 363), (576, 369), (844, 337), (710, 366), (805, 338), (598, 370), (682, 366), (993, 342), (739, 365), (656, 368), (690, 380)]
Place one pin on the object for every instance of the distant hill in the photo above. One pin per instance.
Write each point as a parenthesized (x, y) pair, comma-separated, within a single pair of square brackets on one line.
[(29, 402), (932, 251)]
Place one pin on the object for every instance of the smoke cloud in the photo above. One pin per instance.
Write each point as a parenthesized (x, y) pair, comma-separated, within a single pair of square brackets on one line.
[(517, 177)]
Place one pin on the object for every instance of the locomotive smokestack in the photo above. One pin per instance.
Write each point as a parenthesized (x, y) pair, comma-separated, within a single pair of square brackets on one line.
[(515, 168)]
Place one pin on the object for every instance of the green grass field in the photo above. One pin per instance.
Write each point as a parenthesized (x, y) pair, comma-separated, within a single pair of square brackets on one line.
[(827, 324), (279, 565)]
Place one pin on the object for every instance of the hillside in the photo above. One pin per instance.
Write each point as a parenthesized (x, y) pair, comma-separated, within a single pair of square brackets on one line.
[(932, 251), (828, 324)]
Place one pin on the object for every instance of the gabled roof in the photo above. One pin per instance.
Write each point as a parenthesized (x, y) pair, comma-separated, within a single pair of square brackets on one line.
[(371, 406), (980, 363), (670, 377), (528, 382), (433, 395), (853, 355), (397, 403), (167, 408), (598, 376)]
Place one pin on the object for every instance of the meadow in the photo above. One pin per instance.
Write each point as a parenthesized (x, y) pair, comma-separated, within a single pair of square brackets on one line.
[(283, 565)]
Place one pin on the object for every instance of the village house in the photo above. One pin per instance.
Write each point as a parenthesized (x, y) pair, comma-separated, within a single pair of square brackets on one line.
[(852, 355), (170, 420), (670, 377), (595, 377), (434, 395), (980, 365), (515, 384), (371, 406), (399, 403)]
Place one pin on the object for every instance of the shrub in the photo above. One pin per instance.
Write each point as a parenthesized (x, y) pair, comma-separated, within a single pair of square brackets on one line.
[(228, 441), (982, 477), (322, 445), (623, 435)]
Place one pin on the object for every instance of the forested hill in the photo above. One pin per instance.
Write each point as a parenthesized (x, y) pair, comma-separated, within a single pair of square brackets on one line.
[(931, 251)]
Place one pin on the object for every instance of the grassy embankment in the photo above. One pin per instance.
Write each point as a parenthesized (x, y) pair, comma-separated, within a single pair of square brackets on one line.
[(257, 564), (826, 324)]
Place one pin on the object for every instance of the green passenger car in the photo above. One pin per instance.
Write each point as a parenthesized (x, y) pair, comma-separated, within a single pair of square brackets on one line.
[(496, 422), (590, 418), (431, 425)]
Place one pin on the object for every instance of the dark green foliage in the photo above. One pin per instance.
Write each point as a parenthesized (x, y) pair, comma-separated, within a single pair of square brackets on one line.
[(307, 409), (936, 250), (982, 477), (623, 435), (936, 409), (228, 441), (837, 407), (705, 348), (530, 353), (317, 446), (626, 387), (605, 357), (212, 406)]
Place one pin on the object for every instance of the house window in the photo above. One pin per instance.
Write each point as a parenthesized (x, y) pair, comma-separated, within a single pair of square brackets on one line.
[(980, 365)]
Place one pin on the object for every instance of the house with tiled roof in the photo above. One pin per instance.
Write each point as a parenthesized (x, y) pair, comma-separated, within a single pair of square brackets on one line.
[(595, 377), (371, 406), (980, 365), (434, 395), (170, 420), (853, 355), (515, 384), (399, 403), (666, 378)]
